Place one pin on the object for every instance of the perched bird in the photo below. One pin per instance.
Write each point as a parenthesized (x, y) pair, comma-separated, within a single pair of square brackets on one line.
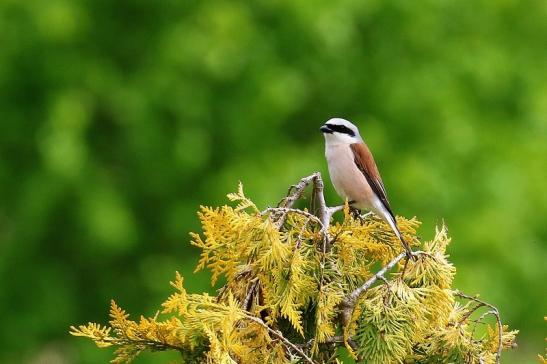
[(354, 174)]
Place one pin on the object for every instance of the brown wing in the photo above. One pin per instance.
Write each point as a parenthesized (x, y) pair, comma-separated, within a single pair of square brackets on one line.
[(365, 162)]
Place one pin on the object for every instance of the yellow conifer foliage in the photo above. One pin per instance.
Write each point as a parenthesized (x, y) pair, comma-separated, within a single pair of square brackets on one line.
[(287, 293)]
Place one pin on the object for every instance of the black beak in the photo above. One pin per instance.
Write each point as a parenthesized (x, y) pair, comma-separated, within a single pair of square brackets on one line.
[(325, 129)]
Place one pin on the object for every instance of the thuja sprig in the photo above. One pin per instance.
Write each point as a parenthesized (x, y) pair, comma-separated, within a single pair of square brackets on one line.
[(300, 284)]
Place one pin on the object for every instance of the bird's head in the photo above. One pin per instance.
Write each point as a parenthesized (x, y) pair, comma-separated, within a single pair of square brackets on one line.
[(340, 131)]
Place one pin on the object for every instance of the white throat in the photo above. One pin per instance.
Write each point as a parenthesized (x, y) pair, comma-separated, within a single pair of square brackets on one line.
[(341, 139)]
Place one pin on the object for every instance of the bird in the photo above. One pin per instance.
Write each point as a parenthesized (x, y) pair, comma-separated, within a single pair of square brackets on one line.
[(354, 174)]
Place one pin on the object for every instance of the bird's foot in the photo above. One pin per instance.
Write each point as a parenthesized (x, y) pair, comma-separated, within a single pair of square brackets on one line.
[(410, 255), (357, 215)]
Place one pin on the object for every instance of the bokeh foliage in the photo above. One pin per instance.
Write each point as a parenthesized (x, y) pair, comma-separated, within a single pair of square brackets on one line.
[(118, 118)]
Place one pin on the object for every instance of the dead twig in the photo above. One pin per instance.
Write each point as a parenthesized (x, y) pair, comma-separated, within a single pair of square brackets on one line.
[(279, 335), (246, 303), (493, 311), (284, 211), (323, 214)]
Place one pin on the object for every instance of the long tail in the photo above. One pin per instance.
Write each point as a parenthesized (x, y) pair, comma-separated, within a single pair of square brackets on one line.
[(393, 224)]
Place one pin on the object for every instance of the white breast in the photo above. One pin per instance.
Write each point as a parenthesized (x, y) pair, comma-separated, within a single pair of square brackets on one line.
[(349, 182)]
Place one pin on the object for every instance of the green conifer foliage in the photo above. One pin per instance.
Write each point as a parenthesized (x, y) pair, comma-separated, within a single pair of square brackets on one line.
[(299, 285)]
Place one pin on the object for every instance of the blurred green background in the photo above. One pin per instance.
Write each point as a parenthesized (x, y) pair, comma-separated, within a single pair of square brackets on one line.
[(119, 118)]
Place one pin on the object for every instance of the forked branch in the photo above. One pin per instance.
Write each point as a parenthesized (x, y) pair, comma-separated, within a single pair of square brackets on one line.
[(493, 311), (323, 213), (285, 341)]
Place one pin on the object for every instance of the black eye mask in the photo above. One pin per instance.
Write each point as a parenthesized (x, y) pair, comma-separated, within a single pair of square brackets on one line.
[(341, 129)]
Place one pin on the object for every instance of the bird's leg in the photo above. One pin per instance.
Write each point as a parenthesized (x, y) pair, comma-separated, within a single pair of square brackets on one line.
[(357, 215), (408, 250), (355, 212)]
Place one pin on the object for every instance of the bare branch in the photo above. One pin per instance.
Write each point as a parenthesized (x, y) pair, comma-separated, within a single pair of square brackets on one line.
[(470, 312), (339, 339), (280, 336), (284, 211), (318, 189), (323, 214), (494, 311), (249, 296), (295, 192), (348, 304)]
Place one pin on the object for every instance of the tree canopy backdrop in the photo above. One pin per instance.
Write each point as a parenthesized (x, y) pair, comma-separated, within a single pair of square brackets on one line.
[(120, 118)]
